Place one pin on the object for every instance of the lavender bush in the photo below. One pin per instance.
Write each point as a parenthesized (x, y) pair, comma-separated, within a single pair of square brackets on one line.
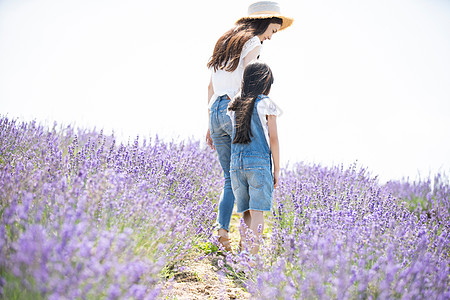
[(82, 217), (336, 233), (431, 195)]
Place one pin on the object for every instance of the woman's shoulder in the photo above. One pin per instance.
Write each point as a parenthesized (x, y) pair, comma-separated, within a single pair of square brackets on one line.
[(250, 45), (254, 40)]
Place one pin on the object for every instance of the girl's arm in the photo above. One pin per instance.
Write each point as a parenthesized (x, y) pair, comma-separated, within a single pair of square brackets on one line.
[(208, 133), (274, 147)]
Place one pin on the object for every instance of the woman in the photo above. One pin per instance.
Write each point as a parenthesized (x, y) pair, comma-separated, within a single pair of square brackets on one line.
[(232, 53)]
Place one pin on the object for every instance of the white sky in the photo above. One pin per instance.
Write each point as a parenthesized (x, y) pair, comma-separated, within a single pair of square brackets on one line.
[(357, 80)]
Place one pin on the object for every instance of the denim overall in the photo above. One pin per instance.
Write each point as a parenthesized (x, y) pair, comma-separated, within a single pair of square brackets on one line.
[(251, 169), (221, 130)]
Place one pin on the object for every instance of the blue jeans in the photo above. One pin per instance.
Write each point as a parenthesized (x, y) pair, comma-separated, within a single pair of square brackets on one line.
[(221, 130)]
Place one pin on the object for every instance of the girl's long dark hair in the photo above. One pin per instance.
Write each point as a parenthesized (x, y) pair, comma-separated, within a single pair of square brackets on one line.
[(257, 80), (229, 46)]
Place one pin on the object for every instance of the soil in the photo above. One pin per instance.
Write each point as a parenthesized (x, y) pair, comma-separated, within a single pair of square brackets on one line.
[(203, 279)]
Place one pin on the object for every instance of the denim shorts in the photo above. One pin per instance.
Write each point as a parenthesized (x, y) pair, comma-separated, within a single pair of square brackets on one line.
[(252, 187)]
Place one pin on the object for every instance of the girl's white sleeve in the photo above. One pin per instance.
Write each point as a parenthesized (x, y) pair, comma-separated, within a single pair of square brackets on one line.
[(269, 108), (266, 107)]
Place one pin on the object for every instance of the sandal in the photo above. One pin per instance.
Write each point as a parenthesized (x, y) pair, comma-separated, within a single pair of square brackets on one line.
[(225, 243)]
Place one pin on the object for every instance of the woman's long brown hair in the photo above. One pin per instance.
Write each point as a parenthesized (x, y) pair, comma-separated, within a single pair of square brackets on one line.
[(227, 51), (257, 80)]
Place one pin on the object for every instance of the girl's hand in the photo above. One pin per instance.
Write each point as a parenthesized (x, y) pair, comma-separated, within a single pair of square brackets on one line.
[(276, 178), (209, 140)]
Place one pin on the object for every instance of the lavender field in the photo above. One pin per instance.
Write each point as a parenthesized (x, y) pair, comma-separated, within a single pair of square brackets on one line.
[(85, 217)]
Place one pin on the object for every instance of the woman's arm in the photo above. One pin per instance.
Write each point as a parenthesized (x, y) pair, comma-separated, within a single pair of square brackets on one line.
[(208, 133), (210, 89), (274, 147), (247, 59), (251, 56)]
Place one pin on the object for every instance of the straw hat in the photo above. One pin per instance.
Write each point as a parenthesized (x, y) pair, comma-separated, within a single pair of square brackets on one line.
[(265, 10)]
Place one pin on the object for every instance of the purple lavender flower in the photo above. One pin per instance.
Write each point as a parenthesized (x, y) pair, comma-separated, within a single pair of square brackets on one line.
[(78, 222)]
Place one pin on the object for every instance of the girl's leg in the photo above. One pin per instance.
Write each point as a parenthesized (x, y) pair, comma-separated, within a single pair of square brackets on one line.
[(247, 221), (254, 221), (257, 227), (247, 218)]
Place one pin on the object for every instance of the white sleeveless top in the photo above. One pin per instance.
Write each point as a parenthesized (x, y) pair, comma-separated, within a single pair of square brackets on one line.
[(229, 83)]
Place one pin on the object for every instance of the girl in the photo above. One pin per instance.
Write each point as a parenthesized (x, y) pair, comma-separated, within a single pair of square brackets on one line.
[(255, 144), (233, 51)]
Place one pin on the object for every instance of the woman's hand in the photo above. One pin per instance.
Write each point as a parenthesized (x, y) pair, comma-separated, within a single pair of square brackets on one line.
[(209, 140)]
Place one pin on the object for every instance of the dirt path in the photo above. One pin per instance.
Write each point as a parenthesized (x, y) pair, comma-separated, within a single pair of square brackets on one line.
[(203, 279)]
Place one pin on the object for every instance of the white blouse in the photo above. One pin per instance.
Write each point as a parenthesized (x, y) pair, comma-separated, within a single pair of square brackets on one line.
[(265, 107), (229, 83)]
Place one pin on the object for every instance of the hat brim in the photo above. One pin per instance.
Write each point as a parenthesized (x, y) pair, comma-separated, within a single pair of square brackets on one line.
[(286, 20)]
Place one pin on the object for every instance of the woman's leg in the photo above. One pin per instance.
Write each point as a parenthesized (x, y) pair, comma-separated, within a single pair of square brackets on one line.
[(226, 203), (221, 136)]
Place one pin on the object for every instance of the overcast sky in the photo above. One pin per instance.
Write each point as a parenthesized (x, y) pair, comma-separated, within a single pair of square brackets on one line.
[(365, 81)]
